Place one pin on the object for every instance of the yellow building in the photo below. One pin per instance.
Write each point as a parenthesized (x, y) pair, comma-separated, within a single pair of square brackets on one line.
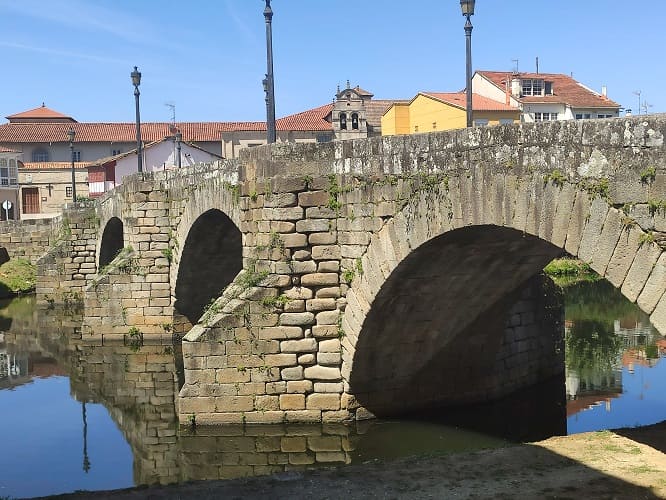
[(430, 111)]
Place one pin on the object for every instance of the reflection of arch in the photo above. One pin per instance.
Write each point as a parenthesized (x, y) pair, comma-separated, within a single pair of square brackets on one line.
[(343, 121), (112, 241), (211, 258)]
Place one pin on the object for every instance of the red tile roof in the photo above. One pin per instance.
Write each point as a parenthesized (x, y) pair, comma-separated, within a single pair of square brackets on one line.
[(479, 103), (566, 90), (41, 112), (53, 165), (313, 119)]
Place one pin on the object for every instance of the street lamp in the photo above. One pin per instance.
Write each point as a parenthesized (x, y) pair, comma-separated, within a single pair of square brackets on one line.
[(71, 134), (269, 82), (136, 81), (467, 7), (179, 138)]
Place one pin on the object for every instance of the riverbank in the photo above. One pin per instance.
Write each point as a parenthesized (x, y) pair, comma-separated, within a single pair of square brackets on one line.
[(624, 464)]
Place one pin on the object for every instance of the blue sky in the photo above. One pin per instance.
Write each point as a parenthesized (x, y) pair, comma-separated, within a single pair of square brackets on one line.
[(208, 57)]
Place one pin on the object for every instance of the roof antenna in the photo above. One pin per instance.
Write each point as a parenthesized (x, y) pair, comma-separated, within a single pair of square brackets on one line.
[(537, 65), (515, 65), (172, 105)]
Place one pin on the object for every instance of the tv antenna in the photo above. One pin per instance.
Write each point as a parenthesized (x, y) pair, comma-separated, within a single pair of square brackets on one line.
[(638, 93), (172, 105)]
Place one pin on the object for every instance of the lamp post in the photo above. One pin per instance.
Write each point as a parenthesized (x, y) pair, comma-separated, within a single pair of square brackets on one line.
[(71, 134), (179, 138), (269, 82), (136, 81), (467, 7)]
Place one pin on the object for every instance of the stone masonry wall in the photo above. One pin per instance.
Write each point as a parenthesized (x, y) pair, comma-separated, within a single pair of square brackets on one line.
[(63, 272), (29, 239)]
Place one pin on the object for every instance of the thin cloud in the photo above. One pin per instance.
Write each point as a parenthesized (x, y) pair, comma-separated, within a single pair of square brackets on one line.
[(63, 53), (241, 25), (86, 16)]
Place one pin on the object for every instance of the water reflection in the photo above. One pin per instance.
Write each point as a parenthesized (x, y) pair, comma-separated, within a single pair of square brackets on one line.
[(607, 340), (122, 414)]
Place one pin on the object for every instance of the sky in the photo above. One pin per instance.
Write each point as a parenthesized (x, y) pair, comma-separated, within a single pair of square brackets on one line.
[(205, 59)]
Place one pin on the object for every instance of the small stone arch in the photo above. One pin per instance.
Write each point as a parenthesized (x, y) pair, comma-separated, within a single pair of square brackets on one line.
[(112, 241), (211, 258)]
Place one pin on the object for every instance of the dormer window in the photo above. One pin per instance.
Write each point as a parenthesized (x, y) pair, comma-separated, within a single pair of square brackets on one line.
[(40, 155), (343, 121), (354, 118), (533, 87)]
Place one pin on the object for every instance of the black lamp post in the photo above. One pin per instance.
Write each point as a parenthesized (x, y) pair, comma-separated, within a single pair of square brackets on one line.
[(467, 7), (179, 139), (269, 83), (136, 81), (71, 134)]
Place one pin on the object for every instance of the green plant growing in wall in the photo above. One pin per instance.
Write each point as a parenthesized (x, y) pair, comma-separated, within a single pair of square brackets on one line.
[(644, 238), (556, 177), (348, 275), (135, 338), (656, 206), (168, 254), (648, 175), (359, 266)]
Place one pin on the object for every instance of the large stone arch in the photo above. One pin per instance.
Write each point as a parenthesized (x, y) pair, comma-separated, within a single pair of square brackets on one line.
[(475, 227), (211, 258), (112, 241)]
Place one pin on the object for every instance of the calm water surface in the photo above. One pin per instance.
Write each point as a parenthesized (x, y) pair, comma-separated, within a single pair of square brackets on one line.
[(77, 416)]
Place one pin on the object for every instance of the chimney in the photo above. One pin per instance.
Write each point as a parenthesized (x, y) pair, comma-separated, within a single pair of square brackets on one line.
[(515, 86), (507, 92), (604, 91)]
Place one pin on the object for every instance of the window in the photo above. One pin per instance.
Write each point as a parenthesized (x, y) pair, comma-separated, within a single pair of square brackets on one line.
[(115, 152), (481, 122), (343, 121), (434, 125), (40, 155), (548, 86), (545, 117), (506, 121), (583, 116), (68, 191), (76, 155), (416, 128), (604, 116), (533, 87), (354, 121), (324, 137)]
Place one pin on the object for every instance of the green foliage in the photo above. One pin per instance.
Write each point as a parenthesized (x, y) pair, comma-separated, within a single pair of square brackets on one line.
[(646, 238), (333, 193), (556, 177), (359, 266), (135, 340), (348, 275), (656, 206), (17, 276), (192, 421), (599, 187), (278, 301), (168, 253), (648, 175), (254, 196), (566, 271)]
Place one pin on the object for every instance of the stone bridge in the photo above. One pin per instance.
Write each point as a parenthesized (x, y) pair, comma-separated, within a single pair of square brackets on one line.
[(336, 281)]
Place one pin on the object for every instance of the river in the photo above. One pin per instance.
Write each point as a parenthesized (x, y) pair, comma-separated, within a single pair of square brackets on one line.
[(90, 417)]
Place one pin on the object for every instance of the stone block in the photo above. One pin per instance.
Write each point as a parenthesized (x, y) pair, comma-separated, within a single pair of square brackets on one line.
[(297, 319), (313, 225), (293, 373), (331, 345), (319, 279), (322, 373), (296, 346), (323, 402), (292, 401)]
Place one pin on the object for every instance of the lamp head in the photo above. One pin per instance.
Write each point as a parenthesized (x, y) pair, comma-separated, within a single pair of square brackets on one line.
[(136, 77), (467, 7)]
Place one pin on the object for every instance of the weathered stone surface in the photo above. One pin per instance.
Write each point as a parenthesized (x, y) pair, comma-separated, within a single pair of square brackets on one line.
[(300, 319), (322, 373)]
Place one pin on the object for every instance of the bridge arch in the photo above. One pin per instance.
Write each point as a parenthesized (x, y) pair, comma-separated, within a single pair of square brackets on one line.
[(210, 259), (482, 241), (112, 241)]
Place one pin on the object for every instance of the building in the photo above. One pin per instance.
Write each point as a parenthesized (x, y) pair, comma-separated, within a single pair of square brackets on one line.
[(106, 173), (431, 111), (544, 96), (40, 138), (9, 187)]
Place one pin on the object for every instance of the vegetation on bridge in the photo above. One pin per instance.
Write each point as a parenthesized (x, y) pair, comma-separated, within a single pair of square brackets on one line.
[(17, 276), (568, 271)]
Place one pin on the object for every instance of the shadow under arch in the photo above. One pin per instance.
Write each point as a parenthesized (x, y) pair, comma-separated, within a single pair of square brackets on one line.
[(211, 258), (112, 241), (437, 328)]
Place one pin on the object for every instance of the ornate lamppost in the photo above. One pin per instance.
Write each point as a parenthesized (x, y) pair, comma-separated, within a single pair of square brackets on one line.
[(269, 82), (71, 134), (136, 81), (467, 7)]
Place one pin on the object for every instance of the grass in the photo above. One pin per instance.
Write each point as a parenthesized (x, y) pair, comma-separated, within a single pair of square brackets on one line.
[(568, 271), (17, 276)]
